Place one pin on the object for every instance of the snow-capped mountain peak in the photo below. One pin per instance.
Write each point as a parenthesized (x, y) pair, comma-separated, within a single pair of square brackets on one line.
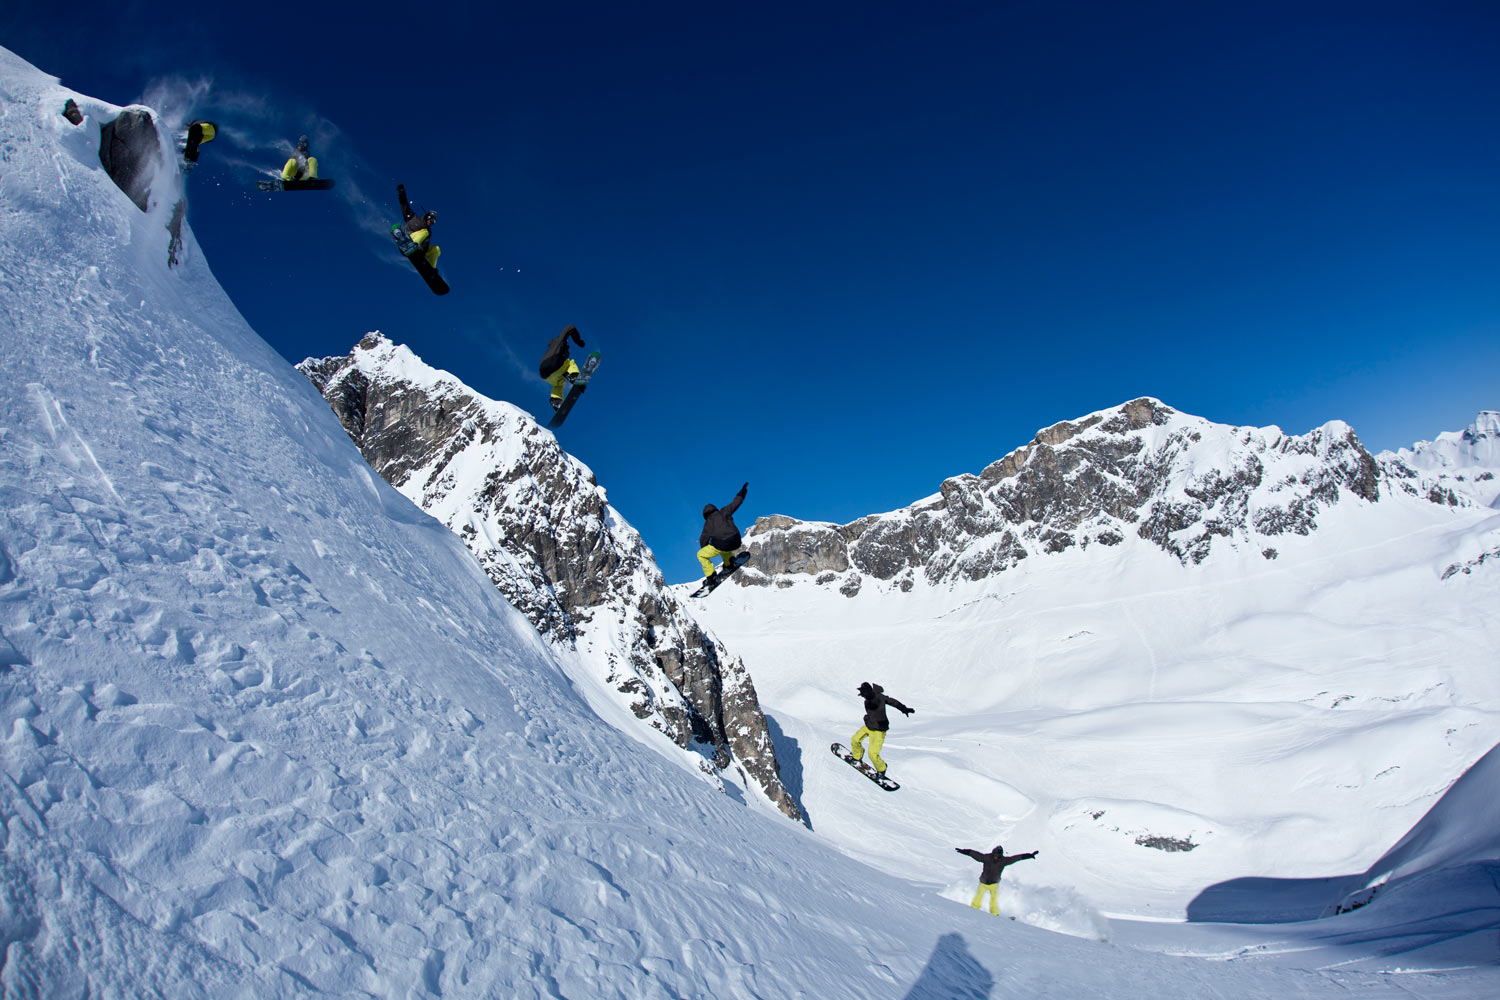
[(542, 527), (1466, 461)]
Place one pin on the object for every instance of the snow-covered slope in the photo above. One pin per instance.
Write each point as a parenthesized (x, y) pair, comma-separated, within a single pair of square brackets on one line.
[(267, 730), (543, 528), (1157, 711), (1468, 461)]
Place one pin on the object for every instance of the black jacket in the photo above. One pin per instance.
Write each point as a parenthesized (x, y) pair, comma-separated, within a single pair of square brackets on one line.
[(875, 717), (557, 350), (412, 220), (719, 529), (994, 862)]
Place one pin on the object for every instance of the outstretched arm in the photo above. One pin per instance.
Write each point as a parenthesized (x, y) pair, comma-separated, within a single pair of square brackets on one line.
[(406, 212), (971, 853), (572, 331), (739, 498), (898, 706)]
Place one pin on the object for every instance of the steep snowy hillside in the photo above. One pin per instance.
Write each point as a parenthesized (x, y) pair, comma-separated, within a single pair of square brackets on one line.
[(544, 531), (1166, 652), (268, 730)]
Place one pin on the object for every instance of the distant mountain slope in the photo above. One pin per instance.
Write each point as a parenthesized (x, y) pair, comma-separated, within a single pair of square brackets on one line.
[(542, 528), (1467, 461), (1189, 487)]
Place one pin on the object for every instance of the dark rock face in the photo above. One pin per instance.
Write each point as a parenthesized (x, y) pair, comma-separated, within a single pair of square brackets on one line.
[(544, 532), (129, 151), (1181, 483)]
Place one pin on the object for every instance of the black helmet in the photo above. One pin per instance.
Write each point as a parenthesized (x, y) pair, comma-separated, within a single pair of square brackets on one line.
[(430, 218), (302, 142), (867, 689), (708, 509), (998, 850)]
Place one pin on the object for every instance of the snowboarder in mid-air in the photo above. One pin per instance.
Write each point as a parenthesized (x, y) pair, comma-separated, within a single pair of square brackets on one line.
[(299, 174), (877, 724), (558, 367), (994, 863), (302, 166), (720, 536), (198, 133), (419, 228), (410, 235)]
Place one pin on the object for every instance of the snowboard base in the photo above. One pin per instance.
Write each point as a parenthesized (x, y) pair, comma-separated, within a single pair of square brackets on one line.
[(839, 750), (414, 253), (312, 184), (585, 372), (724, 572)]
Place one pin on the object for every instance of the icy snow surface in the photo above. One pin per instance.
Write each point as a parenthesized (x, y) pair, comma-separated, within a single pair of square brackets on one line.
[(266, 729)]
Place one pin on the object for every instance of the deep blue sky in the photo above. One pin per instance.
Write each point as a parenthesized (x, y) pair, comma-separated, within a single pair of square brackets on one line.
[(844, 251)]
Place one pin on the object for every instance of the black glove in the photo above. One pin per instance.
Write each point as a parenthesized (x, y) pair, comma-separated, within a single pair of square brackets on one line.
[(958, 850), (745, 488), (908, 711)]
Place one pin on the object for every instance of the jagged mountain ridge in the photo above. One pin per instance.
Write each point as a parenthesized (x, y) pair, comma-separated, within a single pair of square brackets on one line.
[(1464, 461), (544, 531), (1181, 483)]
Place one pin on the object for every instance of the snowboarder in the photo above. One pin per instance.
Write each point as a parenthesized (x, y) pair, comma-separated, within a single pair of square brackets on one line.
[(557, 366), (419, 227), (994, 863), (198, 133), (720, 536), (302, 166), (876, 723)]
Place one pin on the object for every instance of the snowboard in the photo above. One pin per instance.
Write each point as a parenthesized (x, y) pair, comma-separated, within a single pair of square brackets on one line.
[(585, 372), (719, 577), (197, 134), (839, 750), (412, 252), (277, 184)]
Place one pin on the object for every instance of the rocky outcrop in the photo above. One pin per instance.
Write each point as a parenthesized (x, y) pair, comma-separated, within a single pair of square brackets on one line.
[(1142, 469), (131, 153), (542, 528)]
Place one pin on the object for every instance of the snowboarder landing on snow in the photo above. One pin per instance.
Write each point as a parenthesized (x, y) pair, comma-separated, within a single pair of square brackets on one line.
[(557, 366), (720, 536), (419, 227), (877, 723), (994, 863), (302, 166)]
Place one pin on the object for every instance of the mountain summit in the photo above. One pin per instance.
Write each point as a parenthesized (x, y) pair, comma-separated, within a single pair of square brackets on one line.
[(1181, 484), (545, 533)]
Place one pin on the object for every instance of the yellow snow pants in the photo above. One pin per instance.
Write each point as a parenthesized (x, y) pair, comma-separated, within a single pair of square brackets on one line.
[(877, 740), (559, 377), (706, 558), (419, 237), (993, 888), (290, 170)]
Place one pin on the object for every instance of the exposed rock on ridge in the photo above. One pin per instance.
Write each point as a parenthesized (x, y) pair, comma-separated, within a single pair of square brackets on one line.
[(1456, 463), (543, 530), (1181, 483)]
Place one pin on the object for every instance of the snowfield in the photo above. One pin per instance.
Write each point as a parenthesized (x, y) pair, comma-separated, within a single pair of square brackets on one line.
[(267, 730)]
